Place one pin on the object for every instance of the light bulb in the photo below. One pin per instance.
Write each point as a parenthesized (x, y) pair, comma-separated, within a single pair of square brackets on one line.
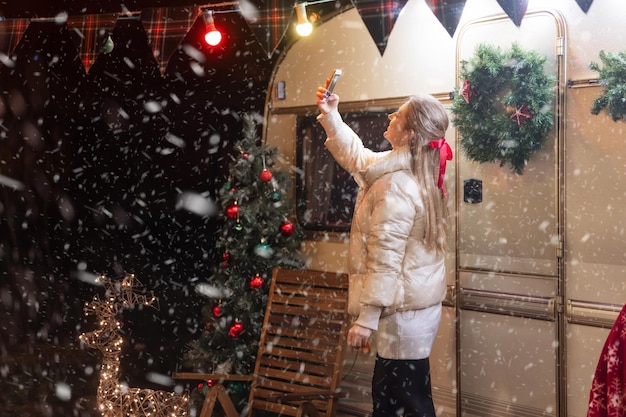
[(303, 27), (212, 36)]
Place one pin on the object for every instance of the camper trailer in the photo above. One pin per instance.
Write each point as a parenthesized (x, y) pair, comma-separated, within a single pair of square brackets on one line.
[(536, 266)]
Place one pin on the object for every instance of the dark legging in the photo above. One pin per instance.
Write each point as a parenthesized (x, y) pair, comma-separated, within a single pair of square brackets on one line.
[(402, 388)]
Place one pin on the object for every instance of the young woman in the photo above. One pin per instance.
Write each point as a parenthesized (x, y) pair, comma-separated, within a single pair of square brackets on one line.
[(397, 245)]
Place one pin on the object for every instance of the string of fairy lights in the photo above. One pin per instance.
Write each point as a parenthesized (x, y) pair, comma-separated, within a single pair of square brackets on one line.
[(116, 399)]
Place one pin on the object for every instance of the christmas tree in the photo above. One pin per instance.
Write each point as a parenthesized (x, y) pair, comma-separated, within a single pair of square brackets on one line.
[(256, 235)]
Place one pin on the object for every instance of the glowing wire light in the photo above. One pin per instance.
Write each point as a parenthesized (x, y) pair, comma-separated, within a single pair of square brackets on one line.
[(212, 36), (303, 27), (114, 398)]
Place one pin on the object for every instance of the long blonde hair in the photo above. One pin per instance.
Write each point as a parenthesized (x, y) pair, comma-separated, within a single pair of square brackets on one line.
[(427, 119)]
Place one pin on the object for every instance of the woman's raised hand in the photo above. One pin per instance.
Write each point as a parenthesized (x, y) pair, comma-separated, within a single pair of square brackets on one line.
[(325, 103)]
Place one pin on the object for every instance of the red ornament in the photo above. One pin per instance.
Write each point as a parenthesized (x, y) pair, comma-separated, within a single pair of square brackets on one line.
[(225, 259), (521, 114), (217, 310), (287, 228), (256, 282), (236, 330), (466, 91), (200, 386), (232, 211), (245, 155), (266, 175)]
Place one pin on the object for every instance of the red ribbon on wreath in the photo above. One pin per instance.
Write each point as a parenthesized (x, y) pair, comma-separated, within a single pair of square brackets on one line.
[(466, 91)]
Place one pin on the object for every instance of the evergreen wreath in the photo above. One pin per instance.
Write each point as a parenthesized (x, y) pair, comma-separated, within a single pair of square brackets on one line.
[(503, 105), (613, 79)]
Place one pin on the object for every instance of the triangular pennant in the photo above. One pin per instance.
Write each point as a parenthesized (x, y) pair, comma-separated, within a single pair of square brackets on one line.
[(129, 43), (447, 12), (379, 17), (93, 31), (584, 4), (165, 27), (11, 31), (515, 9), (268, 19)]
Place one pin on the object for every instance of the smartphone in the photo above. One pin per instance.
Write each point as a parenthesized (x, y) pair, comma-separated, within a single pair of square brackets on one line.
[(333, 82)]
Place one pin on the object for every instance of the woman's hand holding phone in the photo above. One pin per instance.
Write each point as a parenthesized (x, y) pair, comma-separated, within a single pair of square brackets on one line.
[(326, 104), (326, 100)]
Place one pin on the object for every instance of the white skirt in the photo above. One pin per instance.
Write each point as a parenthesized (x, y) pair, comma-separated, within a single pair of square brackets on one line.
[(408, 335)]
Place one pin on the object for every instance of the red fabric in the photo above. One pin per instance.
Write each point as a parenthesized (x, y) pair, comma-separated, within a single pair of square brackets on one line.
[(608, 393), (445, 155)]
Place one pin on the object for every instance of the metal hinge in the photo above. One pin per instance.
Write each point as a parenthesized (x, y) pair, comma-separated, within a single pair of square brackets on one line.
[(560, 250), (560, 46)]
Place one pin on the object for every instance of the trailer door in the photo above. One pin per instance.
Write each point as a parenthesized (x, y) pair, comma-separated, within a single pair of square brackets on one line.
[(509, 253)]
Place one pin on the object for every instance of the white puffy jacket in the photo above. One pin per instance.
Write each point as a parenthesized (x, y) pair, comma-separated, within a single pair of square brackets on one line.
[(389, 268)]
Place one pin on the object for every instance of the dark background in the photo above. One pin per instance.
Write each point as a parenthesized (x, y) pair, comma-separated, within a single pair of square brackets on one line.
[(101, 176), (49, 8)]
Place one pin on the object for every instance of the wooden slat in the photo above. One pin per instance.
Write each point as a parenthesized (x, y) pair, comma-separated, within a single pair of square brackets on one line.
[(322, 345), (196, 376), (308, 312), (316, 329), (302, 356), (273, 407), (295, 366), (297, 292), (323, 279), (293, 379)]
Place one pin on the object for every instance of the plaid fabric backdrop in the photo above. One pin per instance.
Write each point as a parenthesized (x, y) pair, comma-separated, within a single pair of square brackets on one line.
[(10, 34), (93, 31), (166, 28), (268, 19)]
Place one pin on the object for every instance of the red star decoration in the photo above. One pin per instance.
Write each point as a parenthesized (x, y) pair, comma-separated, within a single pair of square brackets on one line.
[(466, 91), (521, 115)]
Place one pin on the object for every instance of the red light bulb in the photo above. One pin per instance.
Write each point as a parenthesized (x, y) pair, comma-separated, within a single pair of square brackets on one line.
[(213, 37)]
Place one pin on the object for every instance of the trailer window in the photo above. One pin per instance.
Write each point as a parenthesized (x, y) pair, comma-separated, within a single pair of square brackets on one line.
[(325, 192)]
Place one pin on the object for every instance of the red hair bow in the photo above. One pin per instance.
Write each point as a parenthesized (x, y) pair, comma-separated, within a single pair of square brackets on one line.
[(445, 154)]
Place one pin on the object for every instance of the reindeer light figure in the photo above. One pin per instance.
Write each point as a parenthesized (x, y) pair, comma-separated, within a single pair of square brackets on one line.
[(115, 399)]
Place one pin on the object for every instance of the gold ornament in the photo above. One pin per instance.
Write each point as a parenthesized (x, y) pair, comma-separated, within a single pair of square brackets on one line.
[(115, 399)]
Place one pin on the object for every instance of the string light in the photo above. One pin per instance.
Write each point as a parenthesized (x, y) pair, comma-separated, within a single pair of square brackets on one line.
[(212, 36), (303, 27), (115, 399)]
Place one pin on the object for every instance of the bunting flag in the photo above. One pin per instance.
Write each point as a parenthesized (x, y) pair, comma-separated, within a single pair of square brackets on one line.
[(515, 9), (11, 31), (379, 17), (166, 27), (584, 4), (93, 31), (268, 19), (448, 12), (130, 42)]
